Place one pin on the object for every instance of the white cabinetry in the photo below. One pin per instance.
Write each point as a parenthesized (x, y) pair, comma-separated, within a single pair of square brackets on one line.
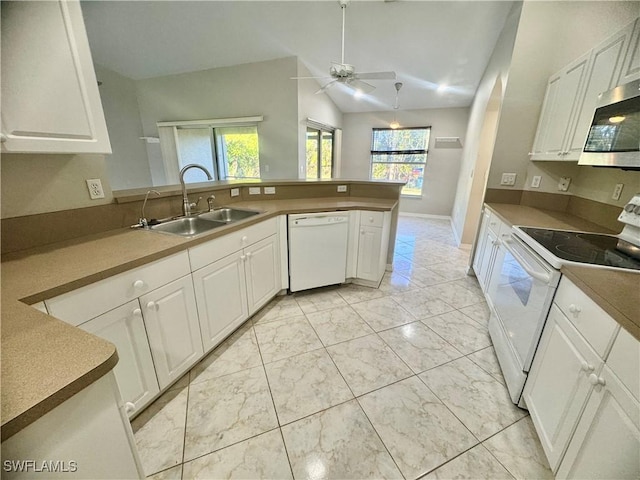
[(171, 318), (582, 391), (572, 94), (50, 98), (491, 229), (369, 247), (124, 327), (234, 276)]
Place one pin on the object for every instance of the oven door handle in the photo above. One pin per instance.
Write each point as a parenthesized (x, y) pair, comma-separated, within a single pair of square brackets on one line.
[(523, 263)]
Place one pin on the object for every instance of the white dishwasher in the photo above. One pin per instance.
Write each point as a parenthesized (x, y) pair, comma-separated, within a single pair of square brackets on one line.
[(317, 249)]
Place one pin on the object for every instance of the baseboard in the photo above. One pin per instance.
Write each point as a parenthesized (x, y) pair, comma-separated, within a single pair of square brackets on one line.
[(425, 215)]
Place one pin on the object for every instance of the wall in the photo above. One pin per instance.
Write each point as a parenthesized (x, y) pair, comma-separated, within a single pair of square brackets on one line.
[(443, 164), (37, 183), (128, 165), (497, 68), (262, 88), (538, 53), (317, 107)]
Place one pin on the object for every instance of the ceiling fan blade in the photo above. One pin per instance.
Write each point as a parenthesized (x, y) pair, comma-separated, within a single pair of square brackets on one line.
[(376, 75), (359, 85), (327, 86)]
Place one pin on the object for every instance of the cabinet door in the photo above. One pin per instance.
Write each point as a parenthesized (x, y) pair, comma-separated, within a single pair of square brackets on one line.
[(631, 66), (50, 97), (262, 269), (558, 110), (604, 70), (481, 249), (171, 318), (488, 257), (134, 372), (369, 246), (221, 296), (558, 384), (606, 443)]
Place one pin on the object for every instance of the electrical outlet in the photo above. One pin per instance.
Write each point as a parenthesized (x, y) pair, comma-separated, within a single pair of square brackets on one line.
[(95, 188), (563, 184), (535, 183), (254, 190), (342, 188), (235, 192), (508, 179), (269, 190), (617, 191)]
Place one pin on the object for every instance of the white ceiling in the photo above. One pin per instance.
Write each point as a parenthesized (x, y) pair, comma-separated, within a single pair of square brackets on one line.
[(427, 43)]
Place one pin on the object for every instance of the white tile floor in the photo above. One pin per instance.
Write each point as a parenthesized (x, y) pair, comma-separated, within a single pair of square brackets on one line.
[(352, 382)]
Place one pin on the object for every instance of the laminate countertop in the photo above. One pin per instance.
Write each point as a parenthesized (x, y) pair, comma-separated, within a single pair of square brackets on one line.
[(45, 361), (617, 292)]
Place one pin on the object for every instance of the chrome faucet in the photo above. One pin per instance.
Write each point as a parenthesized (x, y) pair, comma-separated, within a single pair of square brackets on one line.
[(186, 204)]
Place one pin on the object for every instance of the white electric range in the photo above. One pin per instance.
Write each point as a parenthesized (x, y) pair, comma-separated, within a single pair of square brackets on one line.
[(525, 277)]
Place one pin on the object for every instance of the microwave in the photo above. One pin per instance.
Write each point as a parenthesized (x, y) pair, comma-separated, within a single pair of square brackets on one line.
[(614, 135)]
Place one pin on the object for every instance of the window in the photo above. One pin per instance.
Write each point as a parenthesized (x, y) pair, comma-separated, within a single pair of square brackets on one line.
[(227, 152), (400, 155), (319, 153)]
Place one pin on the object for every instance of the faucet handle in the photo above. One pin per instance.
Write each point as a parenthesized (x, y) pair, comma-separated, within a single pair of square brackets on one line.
[(210, 200), (195, 204)]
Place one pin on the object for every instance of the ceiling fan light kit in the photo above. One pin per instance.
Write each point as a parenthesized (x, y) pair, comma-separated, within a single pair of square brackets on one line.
[(346, 74), (394, 124)]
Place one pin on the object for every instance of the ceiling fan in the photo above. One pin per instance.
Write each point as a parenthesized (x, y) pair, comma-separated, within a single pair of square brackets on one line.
[(346, 74)]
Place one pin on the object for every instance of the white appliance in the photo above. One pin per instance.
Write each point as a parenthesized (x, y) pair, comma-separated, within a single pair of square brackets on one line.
[(525, 277), (317, 249)]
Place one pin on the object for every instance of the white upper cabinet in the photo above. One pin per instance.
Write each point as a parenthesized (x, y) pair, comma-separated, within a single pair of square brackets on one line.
[(572, 94), (631, 67), (50, 98)]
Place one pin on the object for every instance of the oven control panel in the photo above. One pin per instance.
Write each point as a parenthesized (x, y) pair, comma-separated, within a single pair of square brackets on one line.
[(631, 212)]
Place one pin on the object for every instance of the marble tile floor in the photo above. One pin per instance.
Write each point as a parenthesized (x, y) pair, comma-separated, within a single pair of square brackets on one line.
[(351, 382)]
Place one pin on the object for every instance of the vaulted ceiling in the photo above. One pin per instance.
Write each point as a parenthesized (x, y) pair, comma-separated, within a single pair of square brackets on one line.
[(438, 49)]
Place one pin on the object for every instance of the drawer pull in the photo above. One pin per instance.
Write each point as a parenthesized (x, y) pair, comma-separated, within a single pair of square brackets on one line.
[(129, 407), (152, 305), (136, 312), (575, 309), (249, 254), (596, 380), (243, 257), (371, 219), (138, 284), (244, 239), (586, 367)]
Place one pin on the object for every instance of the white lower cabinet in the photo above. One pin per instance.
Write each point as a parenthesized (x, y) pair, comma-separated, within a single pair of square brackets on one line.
[(171, 318), (606, 442), (491, 229), (367, 247), (262, 272), (558, 384), (369, 253), (221, 296), (124, 327)]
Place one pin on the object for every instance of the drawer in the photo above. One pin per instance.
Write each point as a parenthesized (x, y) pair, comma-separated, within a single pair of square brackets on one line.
[(371, 219), (496, 225), (597, 327), (624, 361), (88, 302), (206, 253)]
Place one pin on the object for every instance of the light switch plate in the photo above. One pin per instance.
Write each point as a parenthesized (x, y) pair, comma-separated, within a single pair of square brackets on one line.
[(563, 184), (235, 192), (269, 190), (508, 179), (342, 188), (535, 183), (95, 188), (254, 190), (617, 191)]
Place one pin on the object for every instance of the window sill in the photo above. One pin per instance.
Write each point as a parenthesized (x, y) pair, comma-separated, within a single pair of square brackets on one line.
[(411, 197)]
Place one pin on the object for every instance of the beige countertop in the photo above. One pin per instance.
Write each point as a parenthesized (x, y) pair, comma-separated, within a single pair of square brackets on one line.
[(44, 360), (616, 292)]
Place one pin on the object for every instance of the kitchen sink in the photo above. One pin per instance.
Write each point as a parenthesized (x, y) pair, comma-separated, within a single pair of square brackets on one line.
[(228, 215), (187, 226), (203, 222)]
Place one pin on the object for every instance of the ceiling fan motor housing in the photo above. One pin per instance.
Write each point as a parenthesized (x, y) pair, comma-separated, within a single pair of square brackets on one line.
[(342, 70)]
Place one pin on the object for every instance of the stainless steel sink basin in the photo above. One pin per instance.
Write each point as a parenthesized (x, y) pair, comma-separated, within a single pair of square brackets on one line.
[(187, 226), (228, 215)]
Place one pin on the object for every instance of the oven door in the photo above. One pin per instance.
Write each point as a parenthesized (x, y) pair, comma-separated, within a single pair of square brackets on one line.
[(520, 291)]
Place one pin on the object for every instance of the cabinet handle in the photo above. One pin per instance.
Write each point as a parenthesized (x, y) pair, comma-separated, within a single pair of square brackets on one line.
[(361, 232), (138, 284), (559, 154), (3, 138), (493, 224), (129, 407), (370, 219), (575, 309), (244, 239), (136, 312), (243, 257), (249, 254), (152, 305), (596, 380), (587, 367)]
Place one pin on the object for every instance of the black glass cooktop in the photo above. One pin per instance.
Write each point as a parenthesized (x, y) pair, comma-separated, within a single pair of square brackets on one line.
[(593, 248)]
